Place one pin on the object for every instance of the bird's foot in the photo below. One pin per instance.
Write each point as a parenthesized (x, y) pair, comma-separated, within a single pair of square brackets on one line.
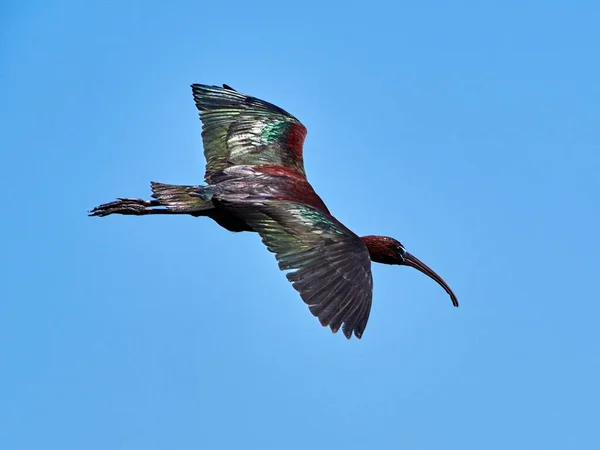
[(127, 206)]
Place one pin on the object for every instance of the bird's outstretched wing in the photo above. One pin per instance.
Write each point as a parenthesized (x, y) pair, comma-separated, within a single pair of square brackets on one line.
[(243, 130), (331, 265)]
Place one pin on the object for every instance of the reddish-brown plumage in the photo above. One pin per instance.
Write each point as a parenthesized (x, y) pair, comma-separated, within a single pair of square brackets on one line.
[(271, 169), (295, 139), (292, 186), (382, 249)]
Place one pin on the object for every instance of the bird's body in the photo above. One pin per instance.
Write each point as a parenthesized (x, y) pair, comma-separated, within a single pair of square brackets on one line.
[(256, 182)]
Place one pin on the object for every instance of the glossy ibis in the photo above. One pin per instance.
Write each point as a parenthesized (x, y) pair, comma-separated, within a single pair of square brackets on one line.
[(255, 181)]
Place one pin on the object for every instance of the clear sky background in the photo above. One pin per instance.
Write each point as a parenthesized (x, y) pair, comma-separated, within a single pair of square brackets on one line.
[(469, 131)]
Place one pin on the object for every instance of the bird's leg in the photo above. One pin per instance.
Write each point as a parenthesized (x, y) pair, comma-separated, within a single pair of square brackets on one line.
[(131, 206), (168, 199)]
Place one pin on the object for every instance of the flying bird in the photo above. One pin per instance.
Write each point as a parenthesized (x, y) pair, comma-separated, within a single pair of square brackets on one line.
[(255, 181)]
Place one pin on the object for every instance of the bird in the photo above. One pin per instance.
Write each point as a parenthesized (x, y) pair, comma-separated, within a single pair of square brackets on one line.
[(255, 181)]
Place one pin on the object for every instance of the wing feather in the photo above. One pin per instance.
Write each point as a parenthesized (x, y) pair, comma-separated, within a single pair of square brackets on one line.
[(331, 265), (243, 130)]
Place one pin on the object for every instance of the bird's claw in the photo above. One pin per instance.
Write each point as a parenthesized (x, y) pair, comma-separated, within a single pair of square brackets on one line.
[(127, 206)]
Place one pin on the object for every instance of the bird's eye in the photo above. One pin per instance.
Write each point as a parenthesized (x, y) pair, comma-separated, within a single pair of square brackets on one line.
[(401, 251)]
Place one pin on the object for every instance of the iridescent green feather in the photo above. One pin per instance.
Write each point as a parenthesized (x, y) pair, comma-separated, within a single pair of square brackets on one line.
[(331, 265), (243, 130)]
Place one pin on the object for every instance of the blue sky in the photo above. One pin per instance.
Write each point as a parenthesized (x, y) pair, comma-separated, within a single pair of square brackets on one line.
[(468, 131)]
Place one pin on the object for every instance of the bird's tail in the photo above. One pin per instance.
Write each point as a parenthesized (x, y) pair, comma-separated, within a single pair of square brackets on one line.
[(195, 200)]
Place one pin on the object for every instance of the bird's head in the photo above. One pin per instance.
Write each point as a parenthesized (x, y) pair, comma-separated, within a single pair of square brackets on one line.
[(387, 250)]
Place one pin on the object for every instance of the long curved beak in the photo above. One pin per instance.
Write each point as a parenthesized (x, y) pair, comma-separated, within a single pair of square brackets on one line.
[(413, 261)]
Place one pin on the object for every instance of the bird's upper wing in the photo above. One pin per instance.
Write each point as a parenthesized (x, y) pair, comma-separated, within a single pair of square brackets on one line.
[(332, 268), (243, 130)]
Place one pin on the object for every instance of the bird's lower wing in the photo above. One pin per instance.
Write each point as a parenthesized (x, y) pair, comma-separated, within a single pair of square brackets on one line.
[(331, 265)]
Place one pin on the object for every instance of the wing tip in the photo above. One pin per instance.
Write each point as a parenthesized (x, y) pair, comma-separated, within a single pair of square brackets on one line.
[(209, 96), (358, 330), (225, 86)]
